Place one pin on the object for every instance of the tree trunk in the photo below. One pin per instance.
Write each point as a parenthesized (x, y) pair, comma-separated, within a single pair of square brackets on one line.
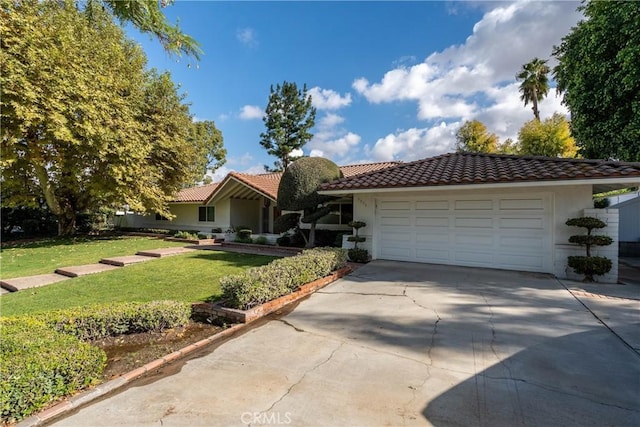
[(67, 223), (312, 235)]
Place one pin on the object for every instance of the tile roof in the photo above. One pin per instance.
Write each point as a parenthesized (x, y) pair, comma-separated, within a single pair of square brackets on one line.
[(473, 168), (195, 194), (351, 170)]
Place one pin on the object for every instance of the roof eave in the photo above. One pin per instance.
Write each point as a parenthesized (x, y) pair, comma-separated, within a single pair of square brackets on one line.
[(631, 181)]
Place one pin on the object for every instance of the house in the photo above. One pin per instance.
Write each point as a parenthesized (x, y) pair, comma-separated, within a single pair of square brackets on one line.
[(242, 200), (485, 210), (629, 228)]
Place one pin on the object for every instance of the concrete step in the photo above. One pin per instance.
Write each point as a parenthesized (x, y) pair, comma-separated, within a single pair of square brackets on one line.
[(121, 261), (83, 270), (20, 283), (164, 252)]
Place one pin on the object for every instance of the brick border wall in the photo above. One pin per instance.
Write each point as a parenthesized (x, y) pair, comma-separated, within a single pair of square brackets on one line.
[(218, 312)]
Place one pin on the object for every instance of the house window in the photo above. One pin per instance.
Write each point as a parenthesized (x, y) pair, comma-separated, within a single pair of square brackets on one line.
[(161, 218), (206, 214), (341, 214)]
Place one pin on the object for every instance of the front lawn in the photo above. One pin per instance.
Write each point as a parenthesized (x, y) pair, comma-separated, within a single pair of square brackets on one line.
[(41, 257), (190, 277)]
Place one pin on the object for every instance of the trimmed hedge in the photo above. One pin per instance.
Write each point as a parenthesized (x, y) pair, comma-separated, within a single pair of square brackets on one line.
[(104, 320), (40, 365), (258, 285), (43, 357)]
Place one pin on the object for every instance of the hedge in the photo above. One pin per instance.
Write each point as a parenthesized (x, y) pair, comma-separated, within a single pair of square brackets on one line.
[(261, 284), (44, 358), (40, 365), (103, 320)]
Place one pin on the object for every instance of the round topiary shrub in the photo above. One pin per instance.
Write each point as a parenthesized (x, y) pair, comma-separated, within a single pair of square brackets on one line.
[(589, 265)]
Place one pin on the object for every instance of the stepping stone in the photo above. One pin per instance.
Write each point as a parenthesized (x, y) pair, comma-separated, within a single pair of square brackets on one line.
[(162, 252), (20, 283), (83, 270), (121, 261)]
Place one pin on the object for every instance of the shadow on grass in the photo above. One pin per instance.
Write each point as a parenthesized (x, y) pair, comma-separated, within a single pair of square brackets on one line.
[(51, 242)]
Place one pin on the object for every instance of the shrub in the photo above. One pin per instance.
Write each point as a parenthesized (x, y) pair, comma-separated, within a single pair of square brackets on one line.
[(244, 233), (282, 276), (589, 265), (261, 240), (358, 255), (103, 320), (216, 230), (41, 365), (186, 235), (601, 203)]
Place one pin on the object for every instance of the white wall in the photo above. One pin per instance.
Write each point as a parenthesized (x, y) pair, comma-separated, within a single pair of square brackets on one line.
[(568, 202), (246, 213)]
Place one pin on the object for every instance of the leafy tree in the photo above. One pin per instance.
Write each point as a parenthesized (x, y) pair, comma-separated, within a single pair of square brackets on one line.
[(535, 84), (474, 137), (83, 125), (288, 119), (148, 17), (208, 140), (551, 138), (298, 190), (599, 77), (507, 147)]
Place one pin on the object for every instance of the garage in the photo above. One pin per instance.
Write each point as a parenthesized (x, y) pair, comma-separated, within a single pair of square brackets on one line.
[(506, 232)]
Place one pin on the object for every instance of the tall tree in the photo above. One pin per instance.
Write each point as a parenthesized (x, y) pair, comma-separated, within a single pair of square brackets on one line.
[(535, 83), (298, 190), (207, 139), (288, 118), (83, 124), (550, 137), (148, 17), (474, 137), (599, 77)]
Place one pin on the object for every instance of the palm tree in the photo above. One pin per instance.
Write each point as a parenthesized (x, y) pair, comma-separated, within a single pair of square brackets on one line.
[(535, 85)]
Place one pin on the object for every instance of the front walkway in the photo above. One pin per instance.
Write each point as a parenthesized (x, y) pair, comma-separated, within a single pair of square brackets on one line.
[(405, 344)]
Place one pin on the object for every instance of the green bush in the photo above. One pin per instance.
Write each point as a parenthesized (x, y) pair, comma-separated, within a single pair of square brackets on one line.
[(282, 276), (244, 233), (41, 365), (216, 230), (358, 255), (261, 240), (103, 320), (186, 235), (590, 266), (145, 230)]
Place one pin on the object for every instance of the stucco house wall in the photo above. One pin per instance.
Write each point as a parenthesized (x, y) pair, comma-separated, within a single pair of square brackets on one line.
[(567, 202)]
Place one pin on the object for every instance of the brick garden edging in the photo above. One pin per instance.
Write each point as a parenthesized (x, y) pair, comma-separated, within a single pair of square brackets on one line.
[(218, 312), (192, 241)]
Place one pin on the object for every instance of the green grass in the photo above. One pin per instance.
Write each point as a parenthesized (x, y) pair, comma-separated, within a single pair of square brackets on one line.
[(190, 277), (45, 256)]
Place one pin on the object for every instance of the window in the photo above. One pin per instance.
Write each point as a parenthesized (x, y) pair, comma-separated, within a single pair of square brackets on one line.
[(206, 214), (341, 213), (161, 218)]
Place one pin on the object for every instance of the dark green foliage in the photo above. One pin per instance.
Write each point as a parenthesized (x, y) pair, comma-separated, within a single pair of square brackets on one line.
[(358, 255), (32, 221), (357, 225), (216, 230), (261, 240), (286, 222), (146, 230), (587, 222), (590, 266), (41, 365), (298, 190), (288, 118), (186, 235), (535, 83), (601, 203), (283, 276), (244, 233), (584, 240), (104, 320), (599, 77)]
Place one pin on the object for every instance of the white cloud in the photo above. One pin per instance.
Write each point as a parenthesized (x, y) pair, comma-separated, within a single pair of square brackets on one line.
[(243, 160), (327, 99), (247, 36), (415, 143), (296, 153), (473, 80), (219, 174), (251, 112), (332, 141), (316, 153)]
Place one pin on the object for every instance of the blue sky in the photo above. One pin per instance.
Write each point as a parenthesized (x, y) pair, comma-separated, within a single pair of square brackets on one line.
[(390, 80)]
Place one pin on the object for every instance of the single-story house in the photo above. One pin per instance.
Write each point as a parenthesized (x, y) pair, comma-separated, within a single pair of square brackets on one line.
[(485, 210), (242, 200)]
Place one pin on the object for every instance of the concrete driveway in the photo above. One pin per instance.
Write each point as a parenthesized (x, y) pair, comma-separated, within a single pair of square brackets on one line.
[(405, 344)]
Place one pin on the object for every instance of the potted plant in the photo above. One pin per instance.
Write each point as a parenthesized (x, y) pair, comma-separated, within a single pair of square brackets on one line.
[(356, 254), (589, 265)]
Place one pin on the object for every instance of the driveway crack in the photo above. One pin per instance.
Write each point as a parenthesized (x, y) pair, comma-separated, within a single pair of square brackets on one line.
[(335, 350)]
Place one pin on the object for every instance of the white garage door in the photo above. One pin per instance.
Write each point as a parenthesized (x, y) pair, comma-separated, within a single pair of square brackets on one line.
[(511, 233)]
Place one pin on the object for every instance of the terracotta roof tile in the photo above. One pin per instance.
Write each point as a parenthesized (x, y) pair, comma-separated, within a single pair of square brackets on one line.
[(195, 194), (266, 183), (471, 168)]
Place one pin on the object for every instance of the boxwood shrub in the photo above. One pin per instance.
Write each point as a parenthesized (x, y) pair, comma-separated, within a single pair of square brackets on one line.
[(103, 320), (261, 284), (40, 365)]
